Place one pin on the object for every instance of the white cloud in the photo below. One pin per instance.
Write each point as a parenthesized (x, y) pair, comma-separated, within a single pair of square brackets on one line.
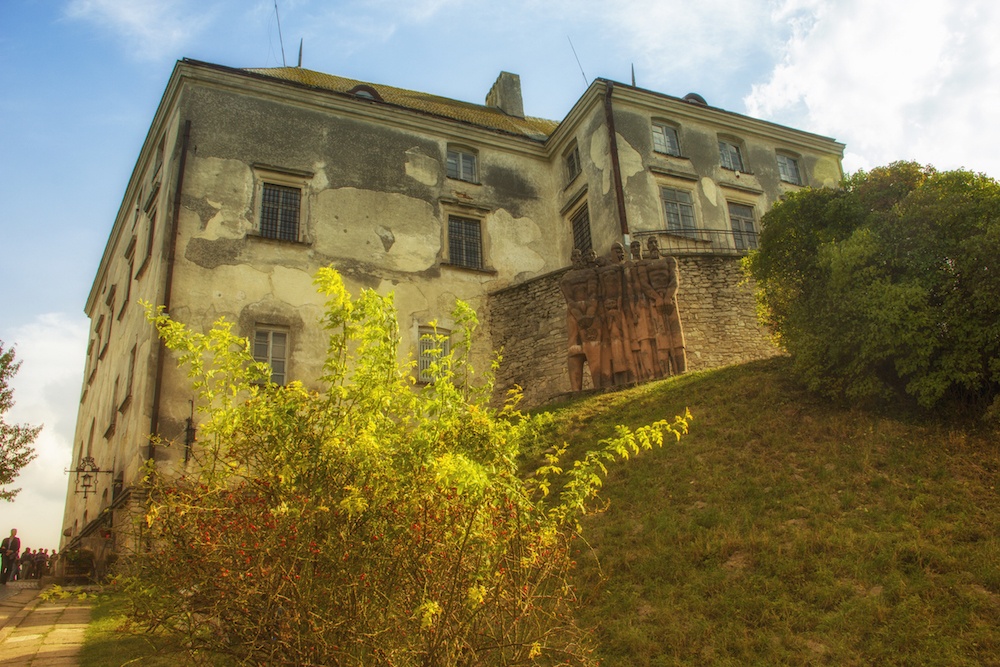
[(151, 29), (893, 80), (51, 350)]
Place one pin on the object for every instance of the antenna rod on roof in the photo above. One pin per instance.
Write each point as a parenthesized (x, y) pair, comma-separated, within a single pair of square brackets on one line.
[(586, 82), (633, 75), (280, 40), (300, 55)]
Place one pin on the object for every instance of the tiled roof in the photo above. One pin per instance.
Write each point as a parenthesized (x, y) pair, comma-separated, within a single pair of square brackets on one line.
[(474, 114)]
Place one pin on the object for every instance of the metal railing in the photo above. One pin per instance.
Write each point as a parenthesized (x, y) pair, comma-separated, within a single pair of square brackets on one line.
[(700, 241)]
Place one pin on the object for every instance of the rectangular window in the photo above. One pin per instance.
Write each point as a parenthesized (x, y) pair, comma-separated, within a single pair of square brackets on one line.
[(744, 232), (730, 156), (788, 168), (270, 346), (462, 165), (279, 212), (665, 139), (572, 163), (581, 229), (465, 242), (433, 344), (678, 207)]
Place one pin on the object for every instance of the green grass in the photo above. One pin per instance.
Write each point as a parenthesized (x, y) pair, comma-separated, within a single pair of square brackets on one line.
[(788, 531), (110, 642), (784, 530)]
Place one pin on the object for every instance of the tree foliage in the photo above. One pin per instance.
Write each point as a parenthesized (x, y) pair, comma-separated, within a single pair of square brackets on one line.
[(889, 285), (15, 439), (371, 522)]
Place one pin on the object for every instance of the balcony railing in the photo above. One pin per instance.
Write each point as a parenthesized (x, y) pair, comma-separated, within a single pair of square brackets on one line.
[(701, 241)]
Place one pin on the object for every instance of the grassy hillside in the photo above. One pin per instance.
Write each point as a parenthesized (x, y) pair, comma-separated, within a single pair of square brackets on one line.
[(787, 531)]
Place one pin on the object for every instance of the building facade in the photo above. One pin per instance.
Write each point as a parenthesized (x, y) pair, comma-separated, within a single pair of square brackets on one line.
[(251, 179)]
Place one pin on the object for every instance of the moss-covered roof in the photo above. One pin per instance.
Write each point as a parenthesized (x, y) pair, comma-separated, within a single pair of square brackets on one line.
[(474, 114)]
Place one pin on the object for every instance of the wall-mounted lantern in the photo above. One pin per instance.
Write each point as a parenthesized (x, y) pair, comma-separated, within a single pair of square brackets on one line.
[(86, 476)]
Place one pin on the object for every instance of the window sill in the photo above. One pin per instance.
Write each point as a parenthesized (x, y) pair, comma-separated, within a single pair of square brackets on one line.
[(142, 267), (462, 180), (271, 239), (471, 269)]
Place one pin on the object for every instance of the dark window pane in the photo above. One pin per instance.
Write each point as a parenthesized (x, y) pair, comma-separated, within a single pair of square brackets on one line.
[(465, 242)]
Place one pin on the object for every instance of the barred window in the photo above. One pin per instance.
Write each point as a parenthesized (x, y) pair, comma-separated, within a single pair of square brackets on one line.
[(434, 343), (270, 346), (581, 229), (279, 212), (465, 243), (678, 207), (744, 232)]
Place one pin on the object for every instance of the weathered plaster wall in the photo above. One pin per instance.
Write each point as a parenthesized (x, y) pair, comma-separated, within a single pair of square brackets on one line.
[(528, 322)]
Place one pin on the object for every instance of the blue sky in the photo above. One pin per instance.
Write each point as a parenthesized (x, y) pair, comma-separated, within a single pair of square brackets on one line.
[(893, 79)]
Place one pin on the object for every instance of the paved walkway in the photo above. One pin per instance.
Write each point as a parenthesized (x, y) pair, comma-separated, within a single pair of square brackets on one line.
[(39, 633)]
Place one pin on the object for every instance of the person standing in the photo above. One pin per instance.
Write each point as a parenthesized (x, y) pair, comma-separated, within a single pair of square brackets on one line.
[(27, 564), (9, 549)]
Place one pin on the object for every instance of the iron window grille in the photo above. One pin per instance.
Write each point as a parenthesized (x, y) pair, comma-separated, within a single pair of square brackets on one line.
[(279, 212), (465, 243), (581, 230)]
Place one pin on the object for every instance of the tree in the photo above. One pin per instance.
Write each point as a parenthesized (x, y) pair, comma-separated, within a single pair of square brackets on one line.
[(15, 439), (887, 287), (371, 522)]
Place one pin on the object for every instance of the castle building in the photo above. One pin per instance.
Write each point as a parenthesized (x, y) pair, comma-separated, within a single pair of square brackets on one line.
[(249, 180)]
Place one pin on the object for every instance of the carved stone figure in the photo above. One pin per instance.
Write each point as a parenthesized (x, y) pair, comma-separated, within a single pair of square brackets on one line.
[(621, 316), (579, 287), (642, 331), (663, 276), (617, 366)]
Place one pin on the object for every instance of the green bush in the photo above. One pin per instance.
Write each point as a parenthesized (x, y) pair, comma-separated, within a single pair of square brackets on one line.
[(888, 286), (369, 523)]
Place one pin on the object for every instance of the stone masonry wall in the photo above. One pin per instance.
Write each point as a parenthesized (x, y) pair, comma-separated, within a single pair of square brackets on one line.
[(528, 322)]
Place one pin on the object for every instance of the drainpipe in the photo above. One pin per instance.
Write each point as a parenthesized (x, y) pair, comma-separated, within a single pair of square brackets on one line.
[(154, 422), (616, 169)]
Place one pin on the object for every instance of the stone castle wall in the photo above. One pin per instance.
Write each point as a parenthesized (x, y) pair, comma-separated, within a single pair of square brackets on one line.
[(528, 322)]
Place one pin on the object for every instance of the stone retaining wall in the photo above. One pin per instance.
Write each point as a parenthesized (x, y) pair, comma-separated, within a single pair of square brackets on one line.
[(528, 322)]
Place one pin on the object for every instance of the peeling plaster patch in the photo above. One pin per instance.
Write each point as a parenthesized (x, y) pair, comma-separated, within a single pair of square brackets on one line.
[(211, 254), (319, 180), (600, 155), (416, 230), (710, 190), (510, 243), (295, 286), (230, 183), (386, 235), (629, 159), (421, 168)]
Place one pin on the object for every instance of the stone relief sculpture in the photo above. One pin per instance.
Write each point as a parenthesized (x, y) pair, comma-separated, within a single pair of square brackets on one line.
[(622, 318)]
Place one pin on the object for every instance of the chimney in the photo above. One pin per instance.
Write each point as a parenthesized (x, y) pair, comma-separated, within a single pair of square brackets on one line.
[(506, 95)]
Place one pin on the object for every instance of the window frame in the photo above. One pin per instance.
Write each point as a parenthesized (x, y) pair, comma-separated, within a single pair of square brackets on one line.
[(266, 177), (726, 156), (575, 221), (664, 127), (573, 165), (796, 164), (269, 356), (459, 153), (453, 242), (425, 344), (679, 229), (744, 240)]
